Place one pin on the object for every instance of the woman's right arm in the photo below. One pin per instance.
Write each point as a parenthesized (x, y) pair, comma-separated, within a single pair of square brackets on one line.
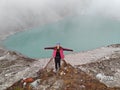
[(49, 47)]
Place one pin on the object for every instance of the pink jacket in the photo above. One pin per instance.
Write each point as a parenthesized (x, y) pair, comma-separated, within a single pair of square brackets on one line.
[(61, 51)]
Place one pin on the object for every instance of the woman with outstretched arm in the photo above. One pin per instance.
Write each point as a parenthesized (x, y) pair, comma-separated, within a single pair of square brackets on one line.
[(58, 54)]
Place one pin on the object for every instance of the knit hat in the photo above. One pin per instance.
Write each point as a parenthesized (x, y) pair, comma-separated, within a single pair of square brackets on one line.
[(58, 44)]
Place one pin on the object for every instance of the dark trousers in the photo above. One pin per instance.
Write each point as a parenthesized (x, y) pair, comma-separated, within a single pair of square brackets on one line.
[(57, 63)]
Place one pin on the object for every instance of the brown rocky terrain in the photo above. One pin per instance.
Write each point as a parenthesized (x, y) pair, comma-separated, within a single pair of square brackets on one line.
[(67, 78)]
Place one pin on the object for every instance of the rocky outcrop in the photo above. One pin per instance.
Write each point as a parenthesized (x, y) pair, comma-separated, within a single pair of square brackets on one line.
[(13, 66), (114, 45), (67, 78), (106, 69)]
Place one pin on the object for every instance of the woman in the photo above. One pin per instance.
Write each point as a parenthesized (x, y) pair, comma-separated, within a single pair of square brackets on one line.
[(58, 54)]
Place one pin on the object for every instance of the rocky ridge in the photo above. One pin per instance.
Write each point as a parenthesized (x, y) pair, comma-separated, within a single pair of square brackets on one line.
[(13, 66), (67, 78), (106, 69), (101, 74)]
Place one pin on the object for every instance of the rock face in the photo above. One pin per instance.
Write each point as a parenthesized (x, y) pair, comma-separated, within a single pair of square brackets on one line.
[(114, 45), (13, 66), (106, 69), (67, 78)]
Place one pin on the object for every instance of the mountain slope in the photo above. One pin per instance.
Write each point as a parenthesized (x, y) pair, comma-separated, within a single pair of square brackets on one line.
[(67, 78)]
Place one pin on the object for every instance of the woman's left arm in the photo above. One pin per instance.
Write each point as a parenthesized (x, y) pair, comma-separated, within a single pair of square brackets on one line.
[(66, 49)]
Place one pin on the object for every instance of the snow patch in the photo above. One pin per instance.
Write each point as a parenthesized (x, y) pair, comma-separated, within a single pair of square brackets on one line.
[(103, 77)]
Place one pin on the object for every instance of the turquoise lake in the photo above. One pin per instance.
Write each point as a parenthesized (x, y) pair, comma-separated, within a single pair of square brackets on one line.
[(79, 33)]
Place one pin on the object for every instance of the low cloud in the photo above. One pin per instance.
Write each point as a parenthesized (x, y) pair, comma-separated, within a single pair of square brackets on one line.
[(24, 14)]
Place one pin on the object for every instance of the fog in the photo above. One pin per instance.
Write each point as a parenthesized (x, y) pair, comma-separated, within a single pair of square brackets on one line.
[(25, 14), (108, 8), (22, 14), (19, 15)]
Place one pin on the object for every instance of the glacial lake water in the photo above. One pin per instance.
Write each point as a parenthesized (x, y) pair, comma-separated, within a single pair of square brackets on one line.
[(79, 33)]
